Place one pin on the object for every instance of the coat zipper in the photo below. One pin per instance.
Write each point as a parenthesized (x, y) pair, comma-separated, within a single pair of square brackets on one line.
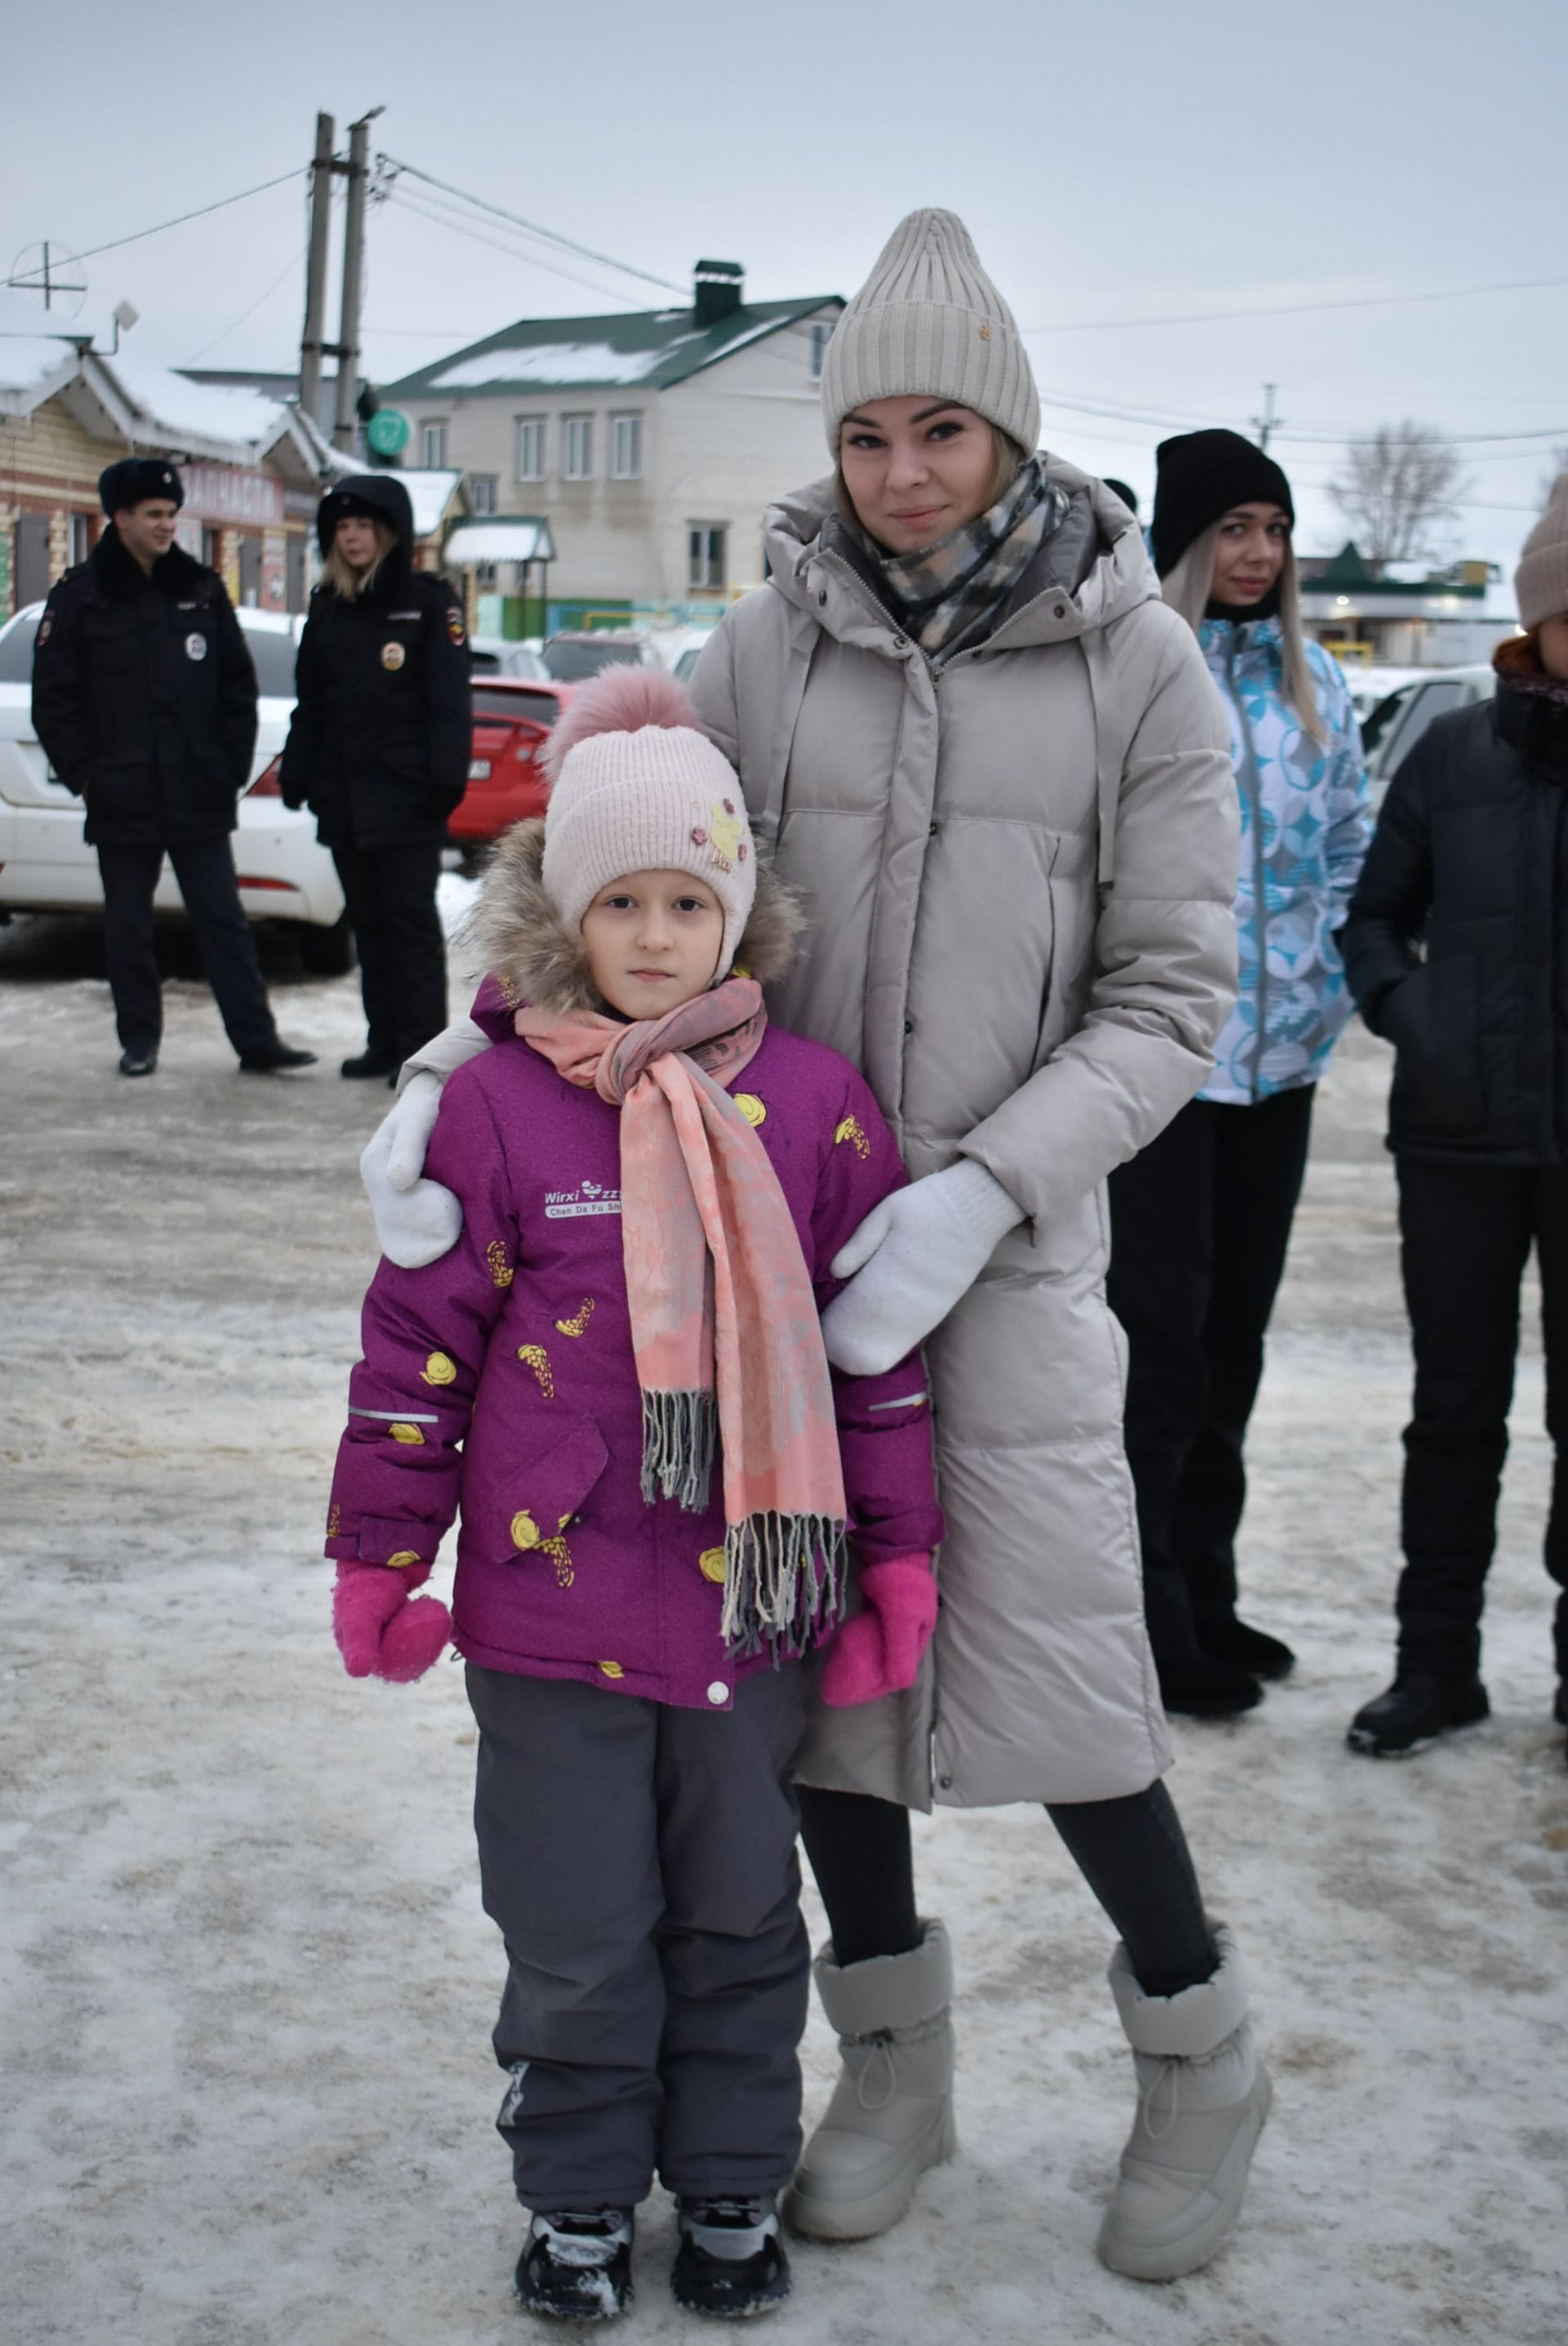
[(1253, 783)]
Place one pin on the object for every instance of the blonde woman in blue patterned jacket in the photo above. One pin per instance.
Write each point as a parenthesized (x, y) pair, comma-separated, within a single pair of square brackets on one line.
[(1201, 1220)]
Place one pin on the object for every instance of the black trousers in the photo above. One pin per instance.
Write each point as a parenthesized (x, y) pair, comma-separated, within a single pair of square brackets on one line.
[(204, 870), (1132, 1852), (1465, 1234), (1200, 1222), (391, 893)]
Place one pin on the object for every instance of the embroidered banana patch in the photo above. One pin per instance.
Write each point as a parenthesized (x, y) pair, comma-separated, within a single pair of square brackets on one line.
[(852, 1131), (575, 1327), (535, 1357), (500, 1268)]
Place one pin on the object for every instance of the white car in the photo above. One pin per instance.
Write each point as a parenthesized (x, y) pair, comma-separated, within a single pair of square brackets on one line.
[(1390, 730), (285, 872)]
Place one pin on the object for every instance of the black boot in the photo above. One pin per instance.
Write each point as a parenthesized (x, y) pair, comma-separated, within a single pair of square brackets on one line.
[(267, 1058), (1197, 1686), (1232, 1641), (1416, 1709), (577, 2264), (731, 2260), (140, 1062), (370, 1064)]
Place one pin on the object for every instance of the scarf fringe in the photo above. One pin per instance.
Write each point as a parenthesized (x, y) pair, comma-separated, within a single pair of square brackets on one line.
[(680, 1438), (784, 1582)]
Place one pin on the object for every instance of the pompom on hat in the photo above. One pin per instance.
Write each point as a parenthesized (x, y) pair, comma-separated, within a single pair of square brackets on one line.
[(637, 786), (1541, 581), (928, 322)]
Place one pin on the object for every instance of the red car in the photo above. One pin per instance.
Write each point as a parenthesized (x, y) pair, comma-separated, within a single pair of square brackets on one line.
[(510, 722)]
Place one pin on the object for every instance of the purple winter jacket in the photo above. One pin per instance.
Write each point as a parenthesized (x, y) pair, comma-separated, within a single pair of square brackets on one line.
[(499, 1382)]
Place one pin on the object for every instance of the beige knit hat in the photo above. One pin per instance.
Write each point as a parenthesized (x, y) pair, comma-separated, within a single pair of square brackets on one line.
[(927, 320), (1541, 581), (636, 786)]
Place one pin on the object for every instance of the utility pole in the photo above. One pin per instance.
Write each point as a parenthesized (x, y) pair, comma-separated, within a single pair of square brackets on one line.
[(353, 280), (1268, 421), (311, 345)]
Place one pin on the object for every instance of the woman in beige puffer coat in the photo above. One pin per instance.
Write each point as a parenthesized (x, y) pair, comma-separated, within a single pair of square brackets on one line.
[(994, 763)]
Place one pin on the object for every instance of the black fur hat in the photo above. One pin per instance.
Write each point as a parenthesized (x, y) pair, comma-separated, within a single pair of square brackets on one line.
[(136, 481)]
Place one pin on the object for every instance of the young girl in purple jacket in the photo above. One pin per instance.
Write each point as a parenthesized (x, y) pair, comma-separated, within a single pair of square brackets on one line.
[(617, 1381)]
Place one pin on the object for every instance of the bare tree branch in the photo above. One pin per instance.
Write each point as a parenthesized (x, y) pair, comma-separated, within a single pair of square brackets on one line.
[(1395, 489)]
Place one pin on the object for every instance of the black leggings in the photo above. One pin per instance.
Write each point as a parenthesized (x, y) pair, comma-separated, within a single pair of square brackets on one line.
[(1132, 1852)]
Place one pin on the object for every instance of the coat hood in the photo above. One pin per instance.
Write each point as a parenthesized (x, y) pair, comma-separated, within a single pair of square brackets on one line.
[(524, 943), (818, 579), (384, 494)]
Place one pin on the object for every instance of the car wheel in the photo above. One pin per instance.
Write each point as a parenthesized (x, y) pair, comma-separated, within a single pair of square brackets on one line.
[(327, 953)]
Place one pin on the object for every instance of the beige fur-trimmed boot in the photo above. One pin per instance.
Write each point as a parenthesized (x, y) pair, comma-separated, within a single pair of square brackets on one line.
[(1203, 2095), (891, 2117)]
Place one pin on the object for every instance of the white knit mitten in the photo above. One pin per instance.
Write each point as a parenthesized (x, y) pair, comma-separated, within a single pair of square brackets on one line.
[(417, 1221), (909, 1261)]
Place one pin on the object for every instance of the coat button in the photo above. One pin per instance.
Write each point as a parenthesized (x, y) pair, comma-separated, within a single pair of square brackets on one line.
[(944, 1783), (1061, 610), (900, 643), (822, 597), (718, 1691), (935, 827), (908, 1026)]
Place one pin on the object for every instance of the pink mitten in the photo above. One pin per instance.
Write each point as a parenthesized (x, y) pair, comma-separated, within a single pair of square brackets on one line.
[(379, 1634), (878, 1651)]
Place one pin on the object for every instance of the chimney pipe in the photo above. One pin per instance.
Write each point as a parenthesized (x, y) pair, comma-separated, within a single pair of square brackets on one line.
[(717, 292)]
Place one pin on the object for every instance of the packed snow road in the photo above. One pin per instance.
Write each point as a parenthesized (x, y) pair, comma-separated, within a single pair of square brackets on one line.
[(247, 2089)]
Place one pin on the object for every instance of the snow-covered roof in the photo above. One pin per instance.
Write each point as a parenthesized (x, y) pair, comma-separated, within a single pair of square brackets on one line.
[(33, 362), (429, 493), (657, 347), (500, 537)]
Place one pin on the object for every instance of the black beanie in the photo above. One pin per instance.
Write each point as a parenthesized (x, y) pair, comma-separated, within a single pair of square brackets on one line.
[(1200, 477), (136, 481)]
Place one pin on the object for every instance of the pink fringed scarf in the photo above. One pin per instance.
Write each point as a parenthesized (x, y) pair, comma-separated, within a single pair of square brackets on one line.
[(725, 1329)]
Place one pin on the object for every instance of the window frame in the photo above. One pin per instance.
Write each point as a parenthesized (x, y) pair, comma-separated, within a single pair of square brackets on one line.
[(483, 493), (535, 425), (580, 420), (431, 462), (631, 418), (707, 531)]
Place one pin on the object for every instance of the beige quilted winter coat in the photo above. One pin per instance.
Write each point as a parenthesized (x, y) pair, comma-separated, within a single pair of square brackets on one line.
[(1019, 878)]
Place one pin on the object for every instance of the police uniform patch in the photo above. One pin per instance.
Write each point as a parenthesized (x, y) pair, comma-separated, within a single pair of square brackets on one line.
[(454, 627), (196, 646), (392, 656), (45, 625)]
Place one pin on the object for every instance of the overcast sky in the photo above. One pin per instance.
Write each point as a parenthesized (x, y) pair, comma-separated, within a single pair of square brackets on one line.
[(1115, 161)]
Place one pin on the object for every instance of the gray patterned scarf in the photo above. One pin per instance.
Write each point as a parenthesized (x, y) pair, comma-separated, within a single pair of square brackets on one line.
[(948, 597)]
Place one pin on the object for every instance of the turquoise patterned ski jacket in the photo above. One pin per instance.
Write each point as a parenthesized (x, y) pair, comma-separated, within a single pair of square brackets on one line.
[(1305, 824)]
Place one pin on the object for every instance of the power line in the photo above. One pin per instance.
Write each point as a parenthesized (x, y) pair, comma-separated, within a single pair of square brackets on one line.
[(513, 252), (180, 219), (287, 270), (532, 228), (1297, 308)]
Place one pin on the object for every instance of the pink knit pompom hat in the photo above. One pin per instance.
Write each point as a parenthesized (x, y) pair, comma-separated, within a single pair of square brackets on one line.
[(637, 786)]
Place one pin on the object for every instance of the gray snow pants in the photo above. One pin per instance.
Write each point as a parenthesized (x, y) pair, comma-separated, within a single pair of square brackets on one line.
[(640, 1862)]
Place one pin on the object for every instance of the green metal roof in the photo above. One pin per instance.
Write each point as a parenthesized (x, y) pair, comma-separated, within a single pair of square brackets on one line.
[(1347, 574), (648, 349)]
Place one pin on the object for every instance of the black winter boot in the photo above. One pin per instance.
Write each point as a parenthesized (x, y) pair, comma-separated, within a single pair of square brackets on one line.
[(271, 1058), (577, 2264), (1415, 1710), (1199, 1685), (1246, 1648), (731, 2260)]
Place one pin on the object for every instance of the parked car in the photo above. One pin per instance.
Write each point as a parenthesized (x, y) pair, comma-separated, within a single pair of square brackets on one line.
[(511, 722), (1390, 730), (285, 874), (499, 656), (573, 657)]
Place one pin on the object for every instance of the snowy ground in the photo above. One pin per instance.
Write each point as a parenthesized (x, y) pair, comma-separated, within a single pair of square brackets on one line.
[(248, 2091)]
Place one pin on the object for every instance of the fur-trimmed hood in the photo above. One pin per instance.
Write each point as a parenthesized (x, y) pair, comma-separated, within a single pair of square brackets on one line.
[(524, 943)]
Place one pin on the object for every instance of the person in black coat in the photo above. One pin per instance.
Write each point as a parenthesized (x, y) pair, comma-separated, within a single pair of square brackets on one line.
[(379, 749), (1470, 860), (144, 697)]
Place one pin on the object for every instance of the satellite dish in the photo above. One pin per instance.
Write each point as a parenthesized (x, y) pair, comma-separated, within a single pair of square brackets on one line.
[(51, 275)]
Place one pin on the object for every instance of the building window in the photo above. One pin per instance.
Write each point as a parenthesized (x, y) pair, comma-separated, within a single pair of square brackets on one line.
[(482, 492), (625, 447), (432, 447), (822, 334), (577, 447), (530, 447), (81, 537), (706, 569)]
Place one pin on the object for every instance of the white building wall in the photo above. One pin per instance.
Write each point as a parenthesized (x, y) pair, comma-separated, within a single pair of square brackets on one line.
[(716, 450)]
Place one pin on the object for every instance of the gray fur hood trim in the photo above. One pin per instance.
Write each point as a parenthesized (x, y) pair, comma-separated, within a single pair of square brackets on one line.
[(516, 930)]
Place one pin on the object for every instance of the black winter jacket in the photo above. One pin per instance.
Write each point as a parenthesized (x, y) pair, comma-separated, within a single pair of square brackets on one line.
[(144, 696), (379, 743), (1471, 858)]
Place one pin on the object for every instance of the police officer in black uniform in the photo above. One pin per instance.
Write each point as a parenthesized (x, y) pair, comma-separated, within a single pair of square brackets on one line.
[(379, 749), (144, 696)]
